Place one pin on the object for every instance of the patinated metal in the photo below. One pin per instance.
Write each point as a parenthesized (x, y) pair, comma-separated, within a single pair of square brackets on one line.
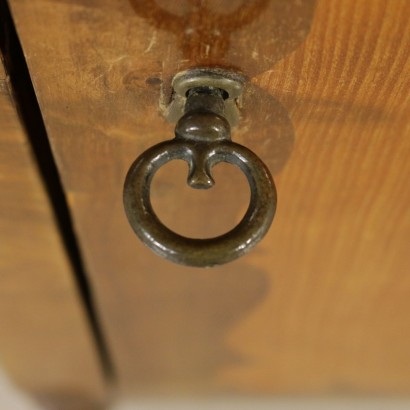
[(232, 83), (202, 139)]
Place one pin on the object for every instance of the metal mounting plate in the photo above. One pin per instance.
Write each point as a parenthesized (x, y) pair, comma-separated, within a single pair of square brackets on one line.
[(231, 82)]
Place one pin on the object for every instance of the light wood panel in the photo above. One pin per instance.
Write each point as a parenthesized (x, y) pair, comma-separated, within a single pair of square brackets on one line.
[(46, 345), (322, 304)]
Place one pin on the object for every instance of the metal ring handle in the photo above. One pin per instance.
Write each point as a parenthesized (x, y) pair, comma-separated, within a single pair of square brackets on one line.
[(201, 157)]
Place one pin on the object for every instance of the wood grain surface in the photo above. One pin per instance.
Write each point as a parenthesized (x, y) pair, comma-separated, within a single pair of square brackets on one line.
[(45, 343), (322, 305)]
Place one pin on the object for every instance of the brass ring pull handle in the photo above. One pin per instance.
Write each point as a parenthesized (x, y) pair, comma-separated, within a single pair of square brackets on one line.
[(202, 139)]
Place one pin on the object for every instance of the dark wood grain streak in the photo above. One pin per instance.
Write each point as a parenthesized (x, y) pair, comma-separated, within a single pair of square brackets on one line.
[(46, 346)]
